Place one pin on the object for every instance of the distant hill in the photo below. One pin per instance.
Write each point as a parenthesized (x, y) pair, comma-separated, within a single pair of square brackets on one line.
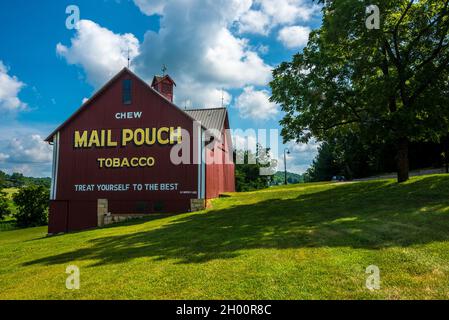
[(17, 180), (292, 178)]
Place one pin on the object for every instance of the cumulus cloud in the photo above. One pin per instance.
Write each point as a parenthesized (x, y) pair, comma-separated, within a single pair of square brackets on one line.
[(194, 41), (199, 42), (245, 140), (3, 157), (300, 157), (23, 150), (151, 7), (10, 87), (294, 37), (101, 52), (288, 11), (230, 61), (29, 149), (265, 15), (196, 44), (256, 22), (255, 104), (195, 95)]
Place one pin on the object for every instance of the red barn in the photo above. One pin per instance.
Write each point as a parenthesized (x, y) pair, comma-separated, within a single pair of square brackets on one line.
[(130, 151)]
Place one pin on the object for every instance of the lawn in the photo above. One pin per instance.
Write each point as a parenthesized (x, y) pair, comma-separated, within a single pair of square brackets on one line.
[(305, 241)]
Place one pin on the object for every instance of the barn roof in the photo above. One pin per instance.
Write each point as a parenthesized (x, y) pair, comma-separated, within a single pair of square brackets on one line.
[(101, 90), (210, 118)]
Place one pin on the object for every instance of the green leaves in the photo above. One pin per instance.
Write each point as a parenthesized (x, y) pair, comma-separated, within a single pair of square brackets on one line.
[(386, 84), (4, 207), (32, 206)]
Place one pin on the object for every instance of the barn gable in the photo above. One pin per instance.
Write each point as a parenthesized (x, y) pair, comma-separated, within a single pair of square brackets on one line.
[(123, 73)]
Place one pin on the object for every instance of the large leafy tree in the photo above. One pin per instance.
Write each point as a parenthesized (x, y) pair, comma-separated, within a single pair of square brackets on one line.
[(32, 206), (387, 85), (248, 169)]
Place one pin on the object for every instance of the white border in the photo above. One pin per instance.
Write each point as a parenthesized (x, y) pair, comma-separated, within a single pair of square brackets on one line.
[(54, 173)]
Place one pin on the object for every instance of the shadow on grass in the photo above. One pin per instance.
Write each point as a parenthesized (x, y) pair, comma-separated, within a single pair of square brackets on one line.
[(370, 215)]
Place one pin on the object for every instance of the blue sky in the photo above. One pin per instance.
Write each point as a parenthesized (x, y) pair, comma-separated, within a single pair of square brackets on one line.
[(209, 47)]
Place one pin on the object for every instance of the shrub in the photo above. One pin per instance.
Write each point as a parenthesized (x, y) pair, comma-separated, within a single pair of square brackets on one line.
[(4, 207), (32, 206)]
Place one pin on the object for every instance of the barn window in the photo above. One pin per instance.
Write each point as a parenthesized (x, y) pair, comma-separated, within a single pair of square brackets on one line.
[(127, 97)]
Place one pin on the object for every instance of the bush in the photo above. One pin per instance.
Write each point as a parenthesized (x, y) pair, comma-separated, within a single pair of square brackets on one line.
[(32, 206), (4, 207)]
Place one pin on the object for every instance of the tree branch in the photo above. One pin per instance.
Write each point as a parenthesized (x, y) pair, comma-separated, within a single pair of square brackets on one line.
[(425, 30), (338, 124), (429, 81)]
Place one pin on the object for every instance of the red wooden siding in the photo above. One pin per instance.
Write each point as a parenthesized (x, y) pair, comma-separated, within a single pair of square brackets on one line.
[(72, 210), (220, 175)]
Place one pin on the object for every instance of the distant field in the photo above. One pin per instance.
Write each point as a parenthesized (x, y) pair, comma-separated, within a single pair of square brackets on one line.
[(10, 192), (306, 241)]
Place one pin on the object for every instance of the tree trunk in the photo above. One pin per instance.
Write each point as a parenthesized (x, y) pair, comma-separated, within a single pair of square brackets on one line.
[(446, 154), (402, 160)]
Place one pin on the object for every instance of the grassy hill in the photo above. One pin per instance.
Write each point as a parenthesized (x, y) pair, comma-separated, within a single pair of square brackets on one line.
[(305, 241), (292, 178)]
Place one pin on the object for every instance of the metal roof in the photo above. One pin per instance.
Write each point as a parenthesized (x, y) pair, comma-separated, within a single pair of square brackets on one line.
[(209, 118)]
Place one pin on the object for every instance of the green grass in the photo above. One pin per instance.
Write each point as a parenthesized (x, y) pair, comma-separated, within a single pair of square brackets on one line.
[(306, 241)]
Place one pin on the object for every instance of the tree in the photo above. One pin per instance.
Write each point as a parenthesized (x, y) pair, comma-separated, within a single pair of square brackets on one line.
[(3, 178), (247, 170), (32, 206), (17, 179), (386, 86), (4, 206)]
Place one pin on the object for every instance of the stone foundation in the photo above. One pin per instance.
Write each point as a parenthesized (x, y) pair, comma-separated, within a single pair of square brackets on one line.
[(197, 205), (106, 218), (102, 211), (116, 218)]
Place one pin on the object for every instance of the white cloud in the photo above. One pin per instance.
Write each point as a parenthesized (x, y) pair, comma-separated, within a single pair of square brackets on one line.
[(255, 104), (195, 41), (151, 7), (229, 61), (99, 51), (196, 44), (300, 158), (254, 21), (196, 95), (245, 140), (288, 11), (23, 150), (29, 149), (294, 37), (265, 15), (10, 87), (3, 157)]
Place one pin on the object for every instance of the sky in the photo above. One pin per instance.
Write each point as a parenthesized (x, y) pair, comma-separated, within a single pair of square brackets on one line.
[(217, 51)]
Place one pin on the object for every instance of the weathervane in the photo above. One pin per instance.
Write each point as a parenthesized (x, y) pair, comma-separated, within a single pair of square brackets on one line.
[(129, 59), (164, 69), (222, 97)]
